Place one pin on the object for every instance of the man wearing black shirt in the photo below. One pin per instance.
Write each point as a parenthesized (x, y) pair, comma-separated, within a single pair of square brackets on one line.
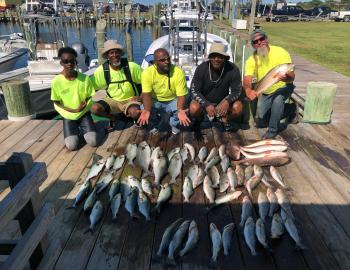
[(216, 87)]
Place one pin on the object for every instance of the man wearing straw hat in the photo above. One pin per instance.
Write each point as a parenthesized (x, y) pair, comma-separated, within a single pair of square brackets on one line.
[(120, 79), (216, 88)]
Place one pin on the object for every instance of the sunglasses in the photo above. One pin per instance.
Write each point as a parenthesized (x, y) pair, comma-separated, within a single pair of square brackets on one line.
[(164, 59), (68, 61), (259, 40)]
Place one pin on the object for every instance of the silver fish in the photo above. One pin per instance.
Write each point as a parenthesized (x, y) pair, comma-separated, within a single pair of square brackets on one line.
[(155, 154), (134, 182), (216, 242), (187, 189), (277, 176), (215, 160), (110, 162), (248, 172), (232, 178), (114, 189), (146, 186), (130, 153), (213, 153), (192, 239), (168, 235), (95, 215), (115, 205), (160, 168), (175, 167), (222, 151), (273, 201), (252, 184), (177, 241), (118, 163), (214, 176), (224, 182), (266, 142), (173, 151), (202, 154), (258, 171), (144, 206), (183, 154), (293, 232), (199, 178), (228, 197), (264, 159), (131, 201), (240, 175), (83, 192), (164, 196), (284, 202), (225, 163), (193, 172), (277, 227), (247, 210), (260, 233), (249, 234), (190, 149), (266, 181), (95, 169), (208, 190), (264, 205), (104, 182), (124, 188), (90, 201), (143, 157), (227, 237)]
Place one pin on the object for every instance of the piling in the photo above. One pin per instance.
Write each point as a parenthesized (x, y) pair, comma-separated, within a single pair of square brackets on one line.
[(100, 38), (128, 41), (17, 99)]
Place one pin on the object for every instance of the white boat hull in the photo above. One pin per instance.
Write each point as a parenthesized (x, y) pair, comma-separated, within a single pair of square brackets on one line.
[(9, 60)]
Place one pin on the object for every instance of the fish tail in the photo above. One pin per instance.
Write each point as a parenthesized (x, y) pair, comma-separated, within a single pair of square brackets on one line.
[(300, 246), (213, 264), (171, 262), (182, 252), (253, 252), (89, 230)]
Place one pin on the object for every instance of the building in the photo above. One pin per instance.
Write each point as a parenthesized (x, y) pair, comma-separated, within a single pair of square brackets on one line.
[(10, 3)]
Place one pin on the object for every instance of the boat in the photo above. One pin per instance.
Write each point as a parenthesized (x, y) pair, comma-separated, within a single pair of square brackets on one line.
[(45, 35), (188, 45), (12, 48)]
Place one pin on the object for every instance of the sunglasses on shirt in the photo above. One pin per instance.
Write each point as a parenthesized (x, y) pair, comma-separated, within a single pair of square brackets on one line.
[(164, 59), (68, 61), (259, 40)]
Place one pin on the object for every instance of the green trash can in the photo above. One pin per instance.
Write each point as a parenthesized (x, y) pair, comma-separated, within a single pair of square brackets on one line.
[(319, 102)]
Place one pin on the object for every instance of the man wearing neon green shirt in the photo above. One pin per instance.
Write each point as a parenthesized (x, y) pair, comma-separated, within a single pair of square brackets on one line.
[(164, 87), (272, 106), (71, 92), (120, 78)]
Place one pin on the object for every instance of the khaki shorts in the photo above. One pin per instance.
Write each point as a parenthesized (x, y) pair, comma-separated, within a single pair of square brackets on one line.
[(119, 106)]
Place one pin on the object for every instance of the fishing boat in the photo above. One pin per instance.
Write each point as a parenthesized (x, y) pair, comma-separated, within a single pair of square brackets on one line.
[(12, 48), (188, 45), (45, 35)]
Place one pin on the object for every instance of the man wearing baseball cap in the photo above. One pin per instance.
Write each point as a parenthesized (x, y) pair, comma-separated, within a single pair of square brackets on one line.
[(272, 102), (216, 87), (119, 77)]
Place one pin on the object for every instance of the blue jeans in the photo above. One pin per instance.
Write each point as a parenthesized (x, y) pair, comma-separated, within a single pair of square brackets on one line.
[(274, 105), (163, 114)]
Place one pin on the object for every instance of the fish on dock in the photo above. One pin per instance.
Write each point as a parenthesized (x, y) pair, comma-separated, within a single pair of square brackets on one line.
[(192, 239), (95, 215), (177, 241), (216, 243), (227, 237)]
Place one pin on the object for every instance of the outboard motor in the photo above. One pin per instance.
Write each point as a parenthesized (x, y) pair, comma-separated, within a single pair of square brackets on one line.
[(83, 58)]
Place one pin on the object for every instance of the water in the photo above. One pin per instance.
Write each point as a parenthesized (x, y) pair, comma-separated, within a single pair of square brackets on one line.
[(141, 38)]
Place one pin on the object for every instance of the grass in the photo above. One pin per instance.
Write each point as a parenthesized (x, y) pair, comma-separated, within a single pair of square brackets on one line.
[(325, 43)]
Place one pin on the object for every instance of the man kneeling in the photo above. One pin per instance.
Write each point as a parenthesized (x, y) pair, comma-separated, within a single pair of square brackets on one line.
[(216, 87)]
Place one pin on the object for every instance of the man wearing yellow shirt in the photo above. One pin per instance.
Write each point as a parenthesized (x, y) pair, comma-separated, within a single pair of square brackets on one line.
[(120, 79), (272, 107), (71, 92), (164, 86)]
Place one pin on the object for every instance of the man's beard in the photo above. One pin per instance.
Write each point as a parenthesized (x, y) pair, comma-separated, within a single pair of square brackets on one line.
[(262, 52), (115, 64)]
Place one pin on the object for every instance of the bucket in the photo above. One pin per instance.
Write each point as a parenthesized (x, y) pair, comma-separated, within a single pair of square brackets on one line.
[(319, 102)]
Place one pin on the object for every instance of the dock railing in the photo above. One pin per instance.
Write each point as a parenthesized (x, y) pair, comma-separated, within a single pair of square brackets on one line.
[(25, 177)]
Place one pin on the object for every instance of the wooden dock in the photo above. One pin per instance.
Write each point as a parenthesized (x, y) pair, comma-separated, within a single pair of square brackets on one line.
[(318, 187)]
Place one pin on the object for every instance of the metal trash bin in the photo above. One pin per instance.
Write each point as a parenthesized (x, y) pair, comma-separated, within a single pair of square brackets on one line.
[(319, 101)]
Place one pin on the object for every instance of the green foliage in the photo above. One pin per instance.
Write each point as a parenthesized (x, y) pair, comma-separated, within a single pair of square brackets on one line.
[(325, 43)]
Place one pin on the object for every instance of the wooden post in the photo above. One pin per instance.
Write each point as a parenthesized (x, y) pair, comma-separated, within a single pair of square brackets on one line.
[(17, 166), (17, 99), (319, 102), (252, 16), (221, 9), (100, 38), (128, 41)]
